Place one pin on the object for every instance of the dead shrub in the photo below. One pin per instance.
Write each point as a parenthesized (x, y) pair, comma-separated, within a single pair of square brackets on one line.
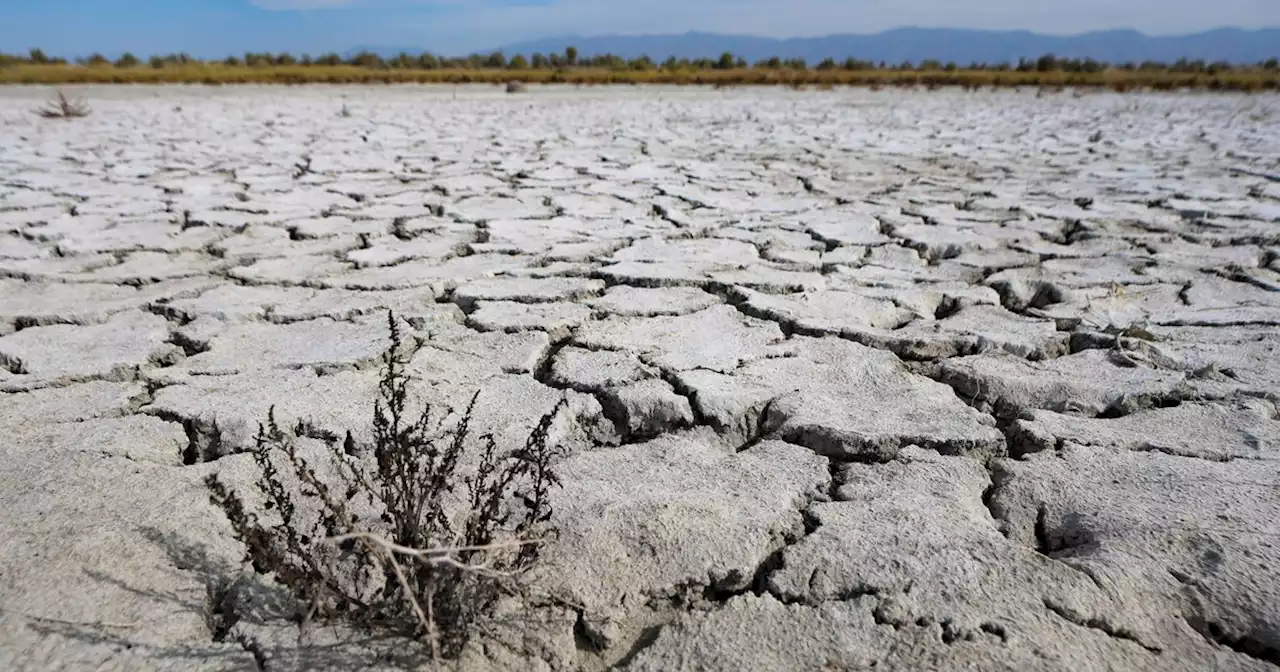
[(404, 537), (62, 107)]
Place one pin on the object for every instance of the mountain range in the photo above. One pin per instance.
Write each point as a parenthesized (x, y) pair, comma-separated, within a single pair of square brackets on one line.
[(962, 46)]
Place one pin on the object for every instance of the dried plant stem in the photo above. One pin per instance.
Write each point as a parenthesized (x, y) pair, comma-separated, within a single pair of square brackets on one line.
[(385, 552), (439, 556), (378, 542)]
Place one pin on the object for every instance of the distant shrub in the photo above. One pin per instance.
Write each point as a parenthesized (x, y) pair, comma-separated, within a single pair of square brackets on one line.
[(367, 59), (403, 61)]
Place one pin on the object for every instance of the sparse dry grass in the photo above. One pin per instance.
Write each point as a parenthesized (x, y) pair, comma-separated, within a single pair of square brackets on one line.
[(215, 74)]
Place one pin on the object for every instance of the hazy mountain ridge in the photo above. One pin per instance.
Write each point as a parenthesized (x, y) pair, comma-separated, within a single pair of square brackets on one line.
[(917, 44)]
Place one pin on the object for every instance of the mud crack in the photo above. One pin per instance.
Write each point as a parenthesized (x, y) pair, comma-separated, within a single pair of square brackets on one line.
[(1240, 643), (1100, 624)]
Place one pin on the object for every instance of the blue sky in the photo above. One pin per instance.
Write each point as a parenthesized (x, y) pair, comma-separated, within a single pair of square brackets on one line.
[(208, 28)]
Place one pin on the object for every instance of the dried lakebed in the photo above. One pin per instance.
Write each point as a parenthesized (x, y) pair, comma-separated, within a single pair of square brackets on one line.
[(918, 381)]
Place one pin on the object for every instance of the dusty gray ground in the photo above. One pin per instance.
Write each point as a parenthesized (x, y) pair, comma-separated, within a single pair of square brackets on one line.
[(904, 381)]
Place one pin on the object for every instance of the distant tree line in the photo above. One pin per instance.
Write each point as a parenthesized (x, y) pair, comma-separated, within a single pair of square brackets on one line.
[(571, 59)]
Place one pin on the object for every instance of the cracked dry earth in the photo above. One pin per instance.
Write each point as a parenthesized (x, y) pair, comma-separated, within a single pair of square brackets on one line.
[(915, 381)]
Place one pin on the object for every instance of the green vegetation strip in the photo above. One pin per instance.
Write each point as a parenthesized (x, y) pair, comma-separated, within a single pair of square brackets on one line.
[(728, 70), (1120, 80)]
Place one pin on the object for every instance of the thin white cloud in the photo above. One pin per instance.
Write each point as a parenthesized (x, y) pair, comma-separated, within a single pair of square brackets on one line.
[(289, 5), (372, 5)]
